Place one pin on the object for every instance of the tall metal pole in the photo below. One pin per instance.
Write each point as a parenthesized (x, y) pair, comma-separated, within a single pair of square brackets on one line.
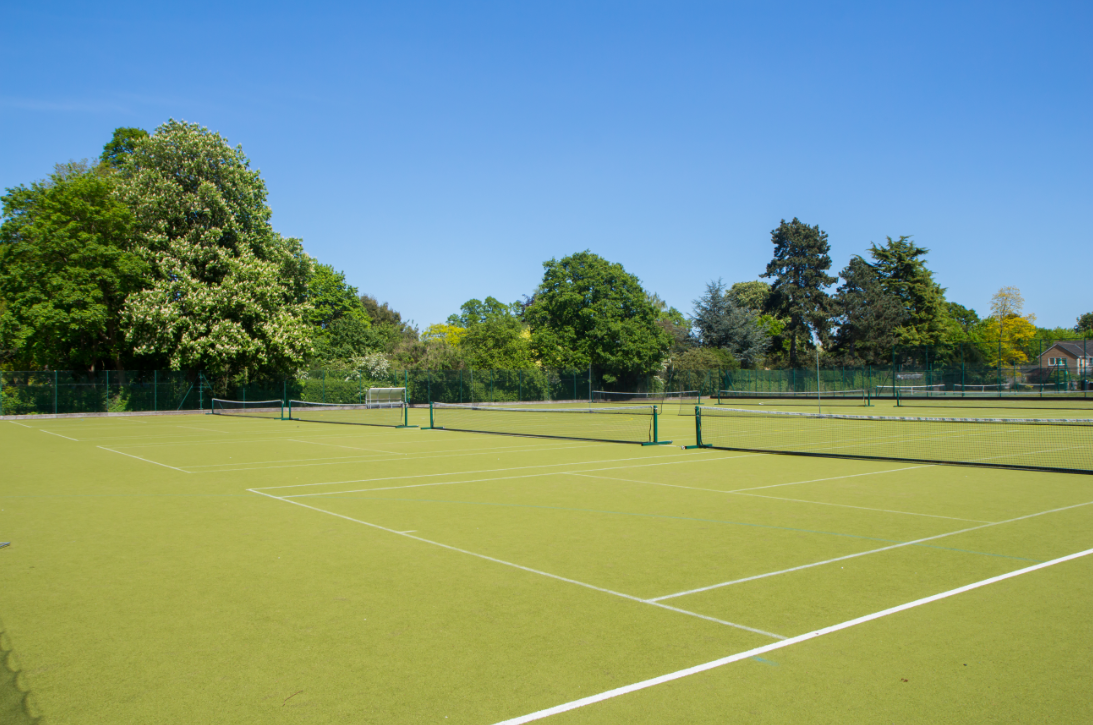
[(819, 405)]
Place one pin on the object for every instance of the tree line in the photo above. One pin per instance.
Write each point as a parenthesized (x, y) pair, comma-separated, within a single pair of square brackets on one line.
[(161, 255)]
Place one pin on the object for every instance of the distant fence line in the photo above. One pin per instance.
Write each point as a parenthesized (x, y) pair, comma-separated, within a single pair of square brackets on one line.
[(1045, 369)]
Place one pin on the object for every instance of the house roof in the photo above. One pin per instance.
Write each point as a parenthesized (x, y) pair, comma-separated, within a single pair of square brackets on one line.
[(1075, 349)]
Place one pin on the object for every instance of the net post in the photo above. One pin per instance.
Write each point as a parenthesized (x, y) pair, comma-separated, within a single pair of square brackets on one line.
[(655, 441), (698, 429), (282, 409)]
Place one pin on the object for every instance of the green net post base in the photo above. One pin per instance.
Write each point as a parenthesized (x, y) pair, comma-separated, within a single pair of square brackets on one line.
[(657, 443)]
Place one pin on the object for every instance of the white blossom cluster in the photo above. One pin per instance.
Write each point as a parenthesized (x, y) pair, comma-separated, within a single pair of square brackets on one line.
[(229, 292)]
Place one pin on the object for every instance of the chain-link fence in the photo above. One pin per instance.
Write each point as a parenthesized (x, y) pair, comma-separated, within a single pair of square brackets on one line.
[(1032, 368)]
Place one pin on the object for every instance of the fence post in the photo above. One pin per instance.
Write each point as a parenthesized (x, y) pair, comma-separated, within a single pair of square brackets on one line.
[(107, 410), (155, 391), (54, 392), (491, 385)]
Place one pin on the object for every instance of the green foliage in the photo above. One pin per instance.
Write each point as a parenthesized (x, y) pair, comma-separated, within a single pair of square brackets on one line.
[(751, 295), (340, 327), (799, 269), (1085, 324), (721, 323), (588, 310), (705, 358), (901, 266), (964, 317), (122, 144), (493, 335), (66, 268), (228, 294), (387, 324), (868, 316)]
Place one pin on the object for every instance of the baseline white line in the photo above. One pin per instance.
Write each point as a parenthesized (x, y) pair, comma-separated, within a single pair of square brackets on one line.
[(15, 422), (59, 435), (146, 460), (865, 553), (779, 498), (679, 674), (518, 566)]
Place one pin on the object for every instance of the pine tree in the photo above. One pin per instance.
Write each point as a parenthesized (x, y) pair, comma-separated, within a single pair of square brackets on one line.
[(799, 269)]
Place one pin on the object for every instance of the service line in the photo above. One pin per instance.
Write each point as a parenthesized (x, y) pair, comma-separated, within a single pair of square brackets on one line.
[(864, 553), (523, 568), (679, 674)]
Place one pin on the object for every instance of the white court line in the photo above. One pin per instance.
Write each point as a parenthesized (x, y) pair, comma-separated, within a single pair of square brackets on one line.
[(679, 674), (779, 498), (470, 473), (352, 448), (480, 480), (834, 478), (59, 435), (418, 456), (14, 422), (146, 460), (522, 568), (863, 508), (865, 553)]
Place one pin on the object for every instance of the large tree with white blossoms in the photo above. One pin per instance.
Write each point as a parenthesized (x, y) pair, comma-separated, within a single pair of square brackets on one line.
[(228, 294)]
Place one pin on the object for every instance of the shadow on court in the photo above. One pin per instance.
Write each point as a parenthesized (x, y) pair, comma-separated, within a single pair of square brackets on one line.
[(16, 706)]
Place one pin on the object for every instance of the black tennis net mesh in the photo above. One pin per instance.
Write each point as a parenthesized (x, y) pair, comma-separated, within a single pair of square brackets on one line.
[(793, 398), (1038, 444), (630, 424), (387, 414), (248, 408)]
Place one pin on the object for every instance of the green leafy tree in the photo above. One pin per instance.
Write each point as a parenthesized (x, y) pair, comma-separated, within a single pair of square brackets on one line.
[(387, 324), (588, 310), (1085, 324), (868, 316), (66, 268), (674, 324), (332, 298), (799, 270), (901, 266), (122, 144), (494, 336), (964, 317), (228, 294), (751, 295), (721, 323), (705, 358)]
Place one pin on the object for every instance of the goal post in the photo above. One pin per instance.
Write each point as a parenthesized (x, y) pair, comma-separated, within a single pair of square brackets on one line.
[(380, 396)]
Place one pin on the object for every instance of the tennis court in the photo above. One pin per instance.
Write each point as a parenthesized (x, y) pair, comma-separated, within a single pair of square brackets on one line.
[(220, 568)]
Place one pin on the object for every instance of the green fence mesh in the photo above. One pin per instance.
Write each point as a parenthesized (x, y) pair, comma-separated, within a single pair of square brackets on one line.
[(1030, 369)]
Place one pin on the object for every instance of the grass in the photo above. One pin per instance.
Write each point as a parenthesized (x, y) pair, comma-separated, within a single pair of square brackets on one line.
[(201, 569)]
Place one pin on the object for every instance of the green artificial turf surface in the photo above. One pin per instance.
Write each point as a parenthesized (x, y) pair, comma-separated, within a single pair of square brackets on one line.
[(209, 569)]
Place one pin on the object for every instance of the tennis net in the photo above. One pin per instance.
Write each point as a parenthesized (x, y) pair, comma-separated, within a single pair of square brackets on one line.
[(908, 391), (386, 414), (249, 408), (1027, 443), (775, 398), (625, 398), (629, 424)]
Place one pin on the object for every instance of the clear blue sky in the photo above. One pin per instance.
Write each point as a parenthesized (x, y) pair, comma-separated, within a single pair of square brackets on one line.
[(442, 151)]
